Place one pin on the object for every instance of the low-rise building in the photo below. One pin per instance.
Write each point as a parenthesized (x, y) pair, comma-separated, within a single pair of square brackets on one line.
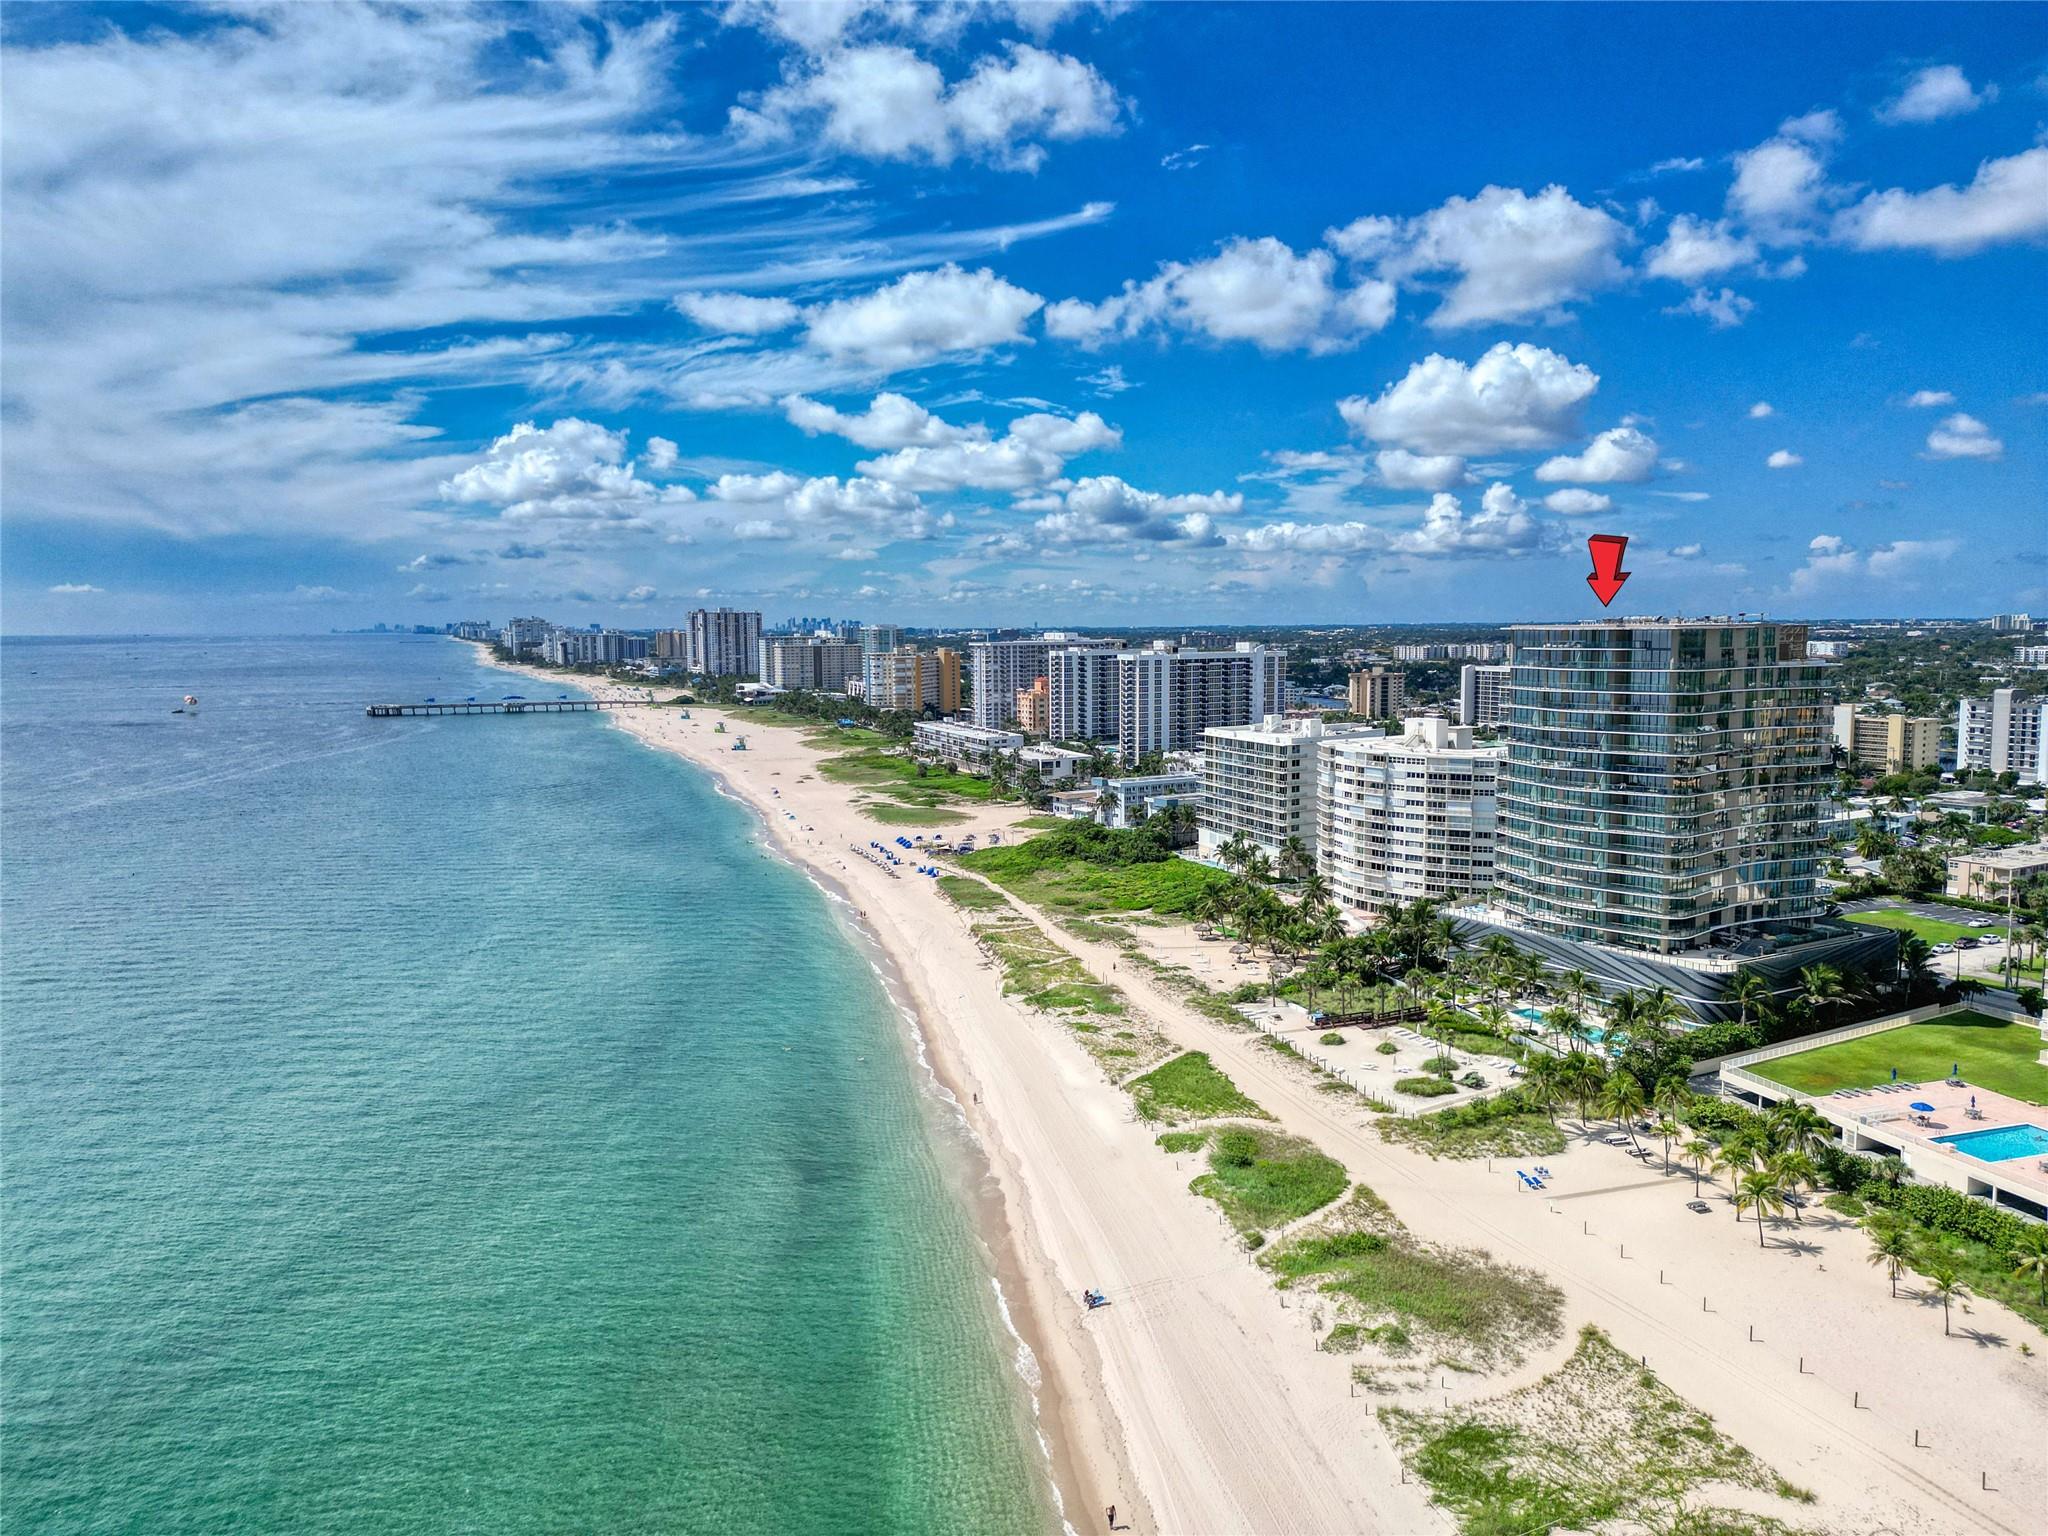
[(2030, 655), (1055, 765), (971, 748), (1409, 817), (1126, 801), (1988, 874), (1897, 742), (1259, 782)]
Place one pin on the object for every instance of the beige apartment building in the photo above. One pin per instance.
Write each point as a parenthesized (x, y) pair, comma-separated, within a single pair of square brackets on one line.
[(1898, 743), (1379, 694), (1989, 874)]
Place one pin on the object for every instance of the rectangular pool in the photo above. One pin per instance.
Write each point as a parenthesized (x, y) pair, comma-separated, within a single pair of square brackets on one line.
[(2001, 1145)]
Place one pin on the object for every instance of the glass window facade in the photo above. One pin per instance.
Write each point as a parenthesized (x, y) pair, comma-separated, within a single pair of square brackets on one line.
[(1664, 780)]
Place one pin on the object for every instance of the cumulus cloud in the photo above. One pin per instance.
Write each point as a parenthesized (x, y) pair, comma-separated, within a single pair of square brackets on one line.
[(1939, 91), (1923, 399), (2007, 200), (1291, 538), (1620, 454), (1510, 256), (1761, 410), (1779, 185), (1573, 502), (1252, 290), (1502, 526), (1696, 248), (571, 472), (1963, 437), (660, 455), (1401, 470), (890, 421), (921, 316), (885, 102), (1724, 310), (738, 314), (1105, 510), (1784, 458), (1516, 396), (1830, 560), (784, 503), (1032, 452)]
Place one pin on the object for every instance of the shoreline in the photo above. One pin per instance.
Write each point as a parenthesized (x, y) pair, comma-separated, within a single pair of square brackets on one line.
[(1065, 1412)]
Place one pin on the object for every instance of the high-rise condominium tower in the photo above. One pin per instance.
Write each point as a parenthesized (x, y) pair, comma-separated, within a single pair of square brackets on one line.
[(1664, 780)]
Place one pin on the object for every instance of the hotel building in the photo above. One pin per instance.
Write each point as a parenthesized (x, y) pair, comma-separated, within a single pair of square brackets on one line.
[(724, 642), (1034, 709), (1259, 782), (1409, 817), (2006, 733)]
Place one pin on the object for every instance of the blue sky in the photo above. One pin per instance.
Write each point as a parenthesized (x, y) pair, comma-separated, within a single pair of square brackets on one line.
[(1019, 313)]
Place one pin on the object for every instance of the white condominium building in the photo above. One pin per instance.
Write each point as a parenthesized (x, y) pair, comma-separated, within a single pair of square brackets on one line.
[(1002, 669), (1484, 695), (969, 747), (1259, 782), (2030, 655), (880, 637), (724, 642), (2006, 733), (1400, 819), (1081, 693), (816, 662), (1167, 696)]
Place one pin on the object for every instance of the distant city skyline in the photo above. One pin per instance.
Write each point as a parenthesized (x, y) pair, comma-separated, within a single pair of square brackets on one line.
[(1020, 315)]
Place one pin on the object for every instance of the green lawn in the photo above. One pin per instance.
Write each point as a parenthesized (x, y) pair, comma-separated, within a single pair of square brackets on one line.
[(1932, 929), (1077, 888), (1263, 1179), (1992, 1053), (971, 894), (903, 778)]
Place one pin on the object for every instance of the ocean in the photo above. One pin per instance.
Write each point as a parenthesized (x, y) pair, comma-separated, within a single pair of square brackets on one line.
[(454, 1126)]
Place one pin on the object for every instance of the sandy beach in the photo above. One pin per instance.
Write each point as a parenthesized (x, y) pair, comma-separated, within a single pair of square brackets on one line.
[(1198, 1403)]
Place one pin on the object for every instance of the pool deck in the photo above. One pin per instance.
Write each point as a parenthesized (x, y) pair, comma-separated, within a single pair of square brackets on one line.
[(1880, 1120)]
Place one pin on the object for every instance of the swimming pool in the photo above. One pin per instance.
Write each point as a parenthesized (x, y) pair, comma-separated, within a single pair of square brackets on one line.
[(2001, 1145), (1532, 1015)]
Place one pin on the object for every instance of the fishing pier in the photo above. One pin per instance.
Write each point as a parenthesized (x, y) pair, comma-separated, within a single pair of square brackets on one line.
[(502, 707)]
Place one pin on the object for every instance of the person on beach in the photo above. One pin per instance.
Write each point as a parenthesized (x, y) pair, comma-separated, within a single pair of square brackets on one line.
[(1112, 1517)]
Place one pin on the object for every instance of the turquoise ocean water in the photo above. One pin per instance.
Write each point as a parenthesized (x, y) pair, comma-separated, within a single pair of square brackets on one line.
[(453, 1126)]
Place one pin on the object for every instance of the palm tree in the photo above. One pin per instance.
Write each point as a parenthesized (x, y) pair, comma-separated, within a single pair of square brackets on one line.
[(1584, 1079), (2030, 1257), (1892, 1246), (1668, 1129), (1623, 1099), (1294, 858), (1658, 1009), (1727, 1159), (1257, 867), (1673, 1095), (1822, 988), (1750, 993), (1562, 1021), (1699, 1152), (1792, 1171), (1235, 852), (1315, 892), (1796, 1128), (1759, 1191), (1945, 1282), (1544, 1087)]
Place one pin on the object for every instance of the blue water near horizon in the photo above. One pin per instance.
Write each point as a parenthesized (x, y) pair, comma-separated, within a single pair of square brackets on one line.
[(453, 1125)]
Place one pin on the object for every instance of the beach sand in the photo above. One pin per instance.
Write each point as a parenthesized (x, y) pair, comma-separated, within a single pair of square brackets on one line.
[(1197, 1403)]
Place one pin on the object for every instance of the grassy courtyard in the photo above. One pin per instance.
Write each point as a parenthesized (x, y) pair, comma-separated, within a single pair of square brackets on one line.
[(1992, 1053), (1932, 929)]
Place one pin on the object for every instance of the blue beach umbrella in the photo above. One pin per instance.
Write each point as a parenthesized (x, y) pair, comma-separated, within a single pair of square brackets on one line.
[(1925, 1109)]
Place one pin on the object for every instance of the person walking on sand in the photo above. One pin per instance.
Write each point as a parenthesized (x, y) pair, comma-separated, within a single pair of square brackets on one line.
[(1112, 1517)]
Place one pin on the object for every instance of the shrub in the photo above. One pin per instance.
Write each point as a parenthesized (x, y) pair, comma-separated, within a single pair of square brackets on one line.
[(1424, 1087), (1386, 1048), (1473, 1080), (1332, 1038), (1235, 1149)]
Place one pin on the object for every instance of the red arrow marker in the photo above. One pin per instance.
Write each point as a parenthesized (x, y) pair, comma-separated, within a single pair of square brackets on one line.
[(1607, 574)]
